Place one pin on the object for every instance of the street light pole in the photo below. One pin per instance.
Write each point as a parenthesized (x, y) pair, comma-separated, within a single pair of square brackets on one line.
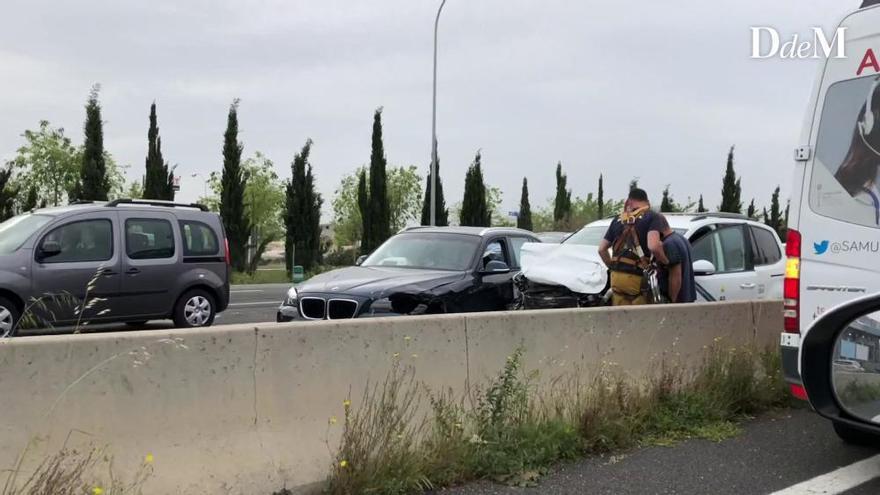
[(434, 126)]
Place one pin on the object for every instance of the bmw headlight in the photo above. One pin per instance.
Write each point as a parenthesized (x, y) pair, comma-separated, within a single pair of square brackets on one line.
[(291, 299)]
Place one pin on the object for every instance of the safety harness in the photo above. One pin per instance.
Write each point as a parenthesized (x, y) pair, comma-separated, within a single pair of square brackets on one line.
[(627, 253)]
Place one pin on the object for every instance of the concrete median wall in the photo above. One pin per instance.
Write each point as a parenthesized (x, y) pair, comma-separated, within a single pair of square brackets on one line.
[(245, 408)]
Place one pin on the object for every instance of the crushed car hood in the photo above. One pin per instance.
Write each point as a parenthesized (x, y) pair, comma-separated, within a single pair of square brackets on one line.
[(378, 280), (577, 267)]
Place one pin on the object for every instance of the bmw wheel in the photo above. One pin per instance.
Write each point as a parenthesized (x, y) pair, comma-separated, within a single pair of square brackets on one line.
[(194, 309)]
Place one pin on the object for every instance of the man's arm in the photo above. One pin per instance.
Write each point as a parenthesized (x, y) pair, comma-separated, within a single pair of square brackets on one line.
[(674, 282), (655, 245), (603, 252)]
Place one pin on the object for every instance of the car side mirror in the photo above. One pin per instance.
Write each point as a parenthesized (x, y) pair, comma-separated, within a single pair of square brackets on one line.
[(49, 248), (840, 365), (703, 268), (360, 259), (496, 266)]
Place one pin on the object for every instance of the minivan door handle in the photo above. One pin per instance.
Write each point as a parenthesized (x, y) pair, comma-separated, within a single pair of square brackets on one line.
[(747, 286), (132, 271)]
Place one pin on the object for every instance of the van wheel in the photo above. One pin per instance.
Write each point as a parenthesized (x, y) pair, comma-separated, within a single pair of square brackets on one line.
[(855, 436), (9, 316), (194, 309)]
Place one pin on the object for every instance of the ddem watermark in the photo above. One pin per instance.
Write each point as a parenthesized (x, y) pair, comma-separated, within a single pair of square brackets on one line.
[(767, 43)]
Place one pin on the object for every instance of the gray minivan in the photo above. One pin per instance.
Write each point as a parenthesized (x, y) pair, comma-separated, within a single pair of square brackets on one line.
[(122, 261)]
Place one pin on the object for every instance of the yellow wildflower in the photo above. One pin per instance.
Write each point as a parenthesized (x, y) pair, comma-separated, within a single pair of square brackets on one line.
[(97, 491), (346, 403), (148, 459), (343, 463), (407, 338), (415, 356), (332, 420), (396, 354)]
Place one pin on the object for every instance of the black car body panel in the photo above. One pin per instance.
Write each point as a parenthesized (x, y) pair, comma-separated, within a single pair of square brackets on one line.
[(396, 290)]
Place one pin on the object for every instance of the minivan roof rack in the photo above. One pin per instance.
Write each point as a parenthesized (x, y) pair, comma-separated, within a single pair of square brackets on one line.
[(155, 202)]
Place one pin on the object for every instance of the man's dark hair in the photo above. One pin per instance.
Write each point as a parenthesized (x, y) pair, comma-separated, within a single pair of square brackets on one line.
[(638, 195), (662, 223)]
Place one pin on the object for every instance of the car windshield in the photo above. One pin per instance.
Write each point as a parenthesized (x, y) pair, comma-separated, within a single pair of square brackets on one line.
[(587, 236), (591, 236), (435, 251), (16, 230)]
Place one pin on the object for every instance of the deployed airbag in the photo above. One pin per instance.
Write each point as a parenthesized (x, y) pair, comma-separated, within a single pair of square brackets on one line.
[(576, 267)]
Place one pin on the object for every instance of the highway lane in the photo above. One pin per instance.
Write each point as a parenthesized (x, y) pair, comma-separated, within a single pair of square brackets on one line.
[(782, 453), (247, 304)]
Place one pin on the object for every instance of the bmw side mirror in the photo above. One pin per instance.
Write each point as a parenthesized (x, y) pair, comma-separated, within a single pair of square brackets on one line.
[(48, 249), (360, 259), (703, 267), (840, 368), (496, 266)]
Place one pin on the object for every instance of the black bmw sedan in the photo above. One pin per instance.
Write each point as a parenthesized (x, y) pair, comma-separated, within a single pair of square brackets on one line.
[(421, 270)]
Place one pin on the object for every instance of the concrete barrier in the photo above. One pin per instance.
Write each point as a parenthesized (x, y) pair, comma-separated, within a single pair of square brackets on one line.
[(245, 408)]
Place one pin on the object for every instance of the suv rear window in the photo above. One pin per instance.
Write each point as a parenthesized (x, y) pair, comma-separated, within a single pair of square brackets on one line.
[(766, 249), (845, 182), (198, 239)]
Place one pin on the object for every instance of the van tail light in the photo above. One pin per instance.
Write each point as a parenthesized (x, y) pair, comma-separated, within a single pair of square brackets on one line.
[(791, 290), (228, 254), (798, 391)]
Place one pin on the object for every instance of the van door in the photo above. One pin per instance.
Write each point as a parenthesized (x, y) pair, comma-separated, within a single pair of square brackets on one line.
[(725, 247), (150, 263), (76, 271)]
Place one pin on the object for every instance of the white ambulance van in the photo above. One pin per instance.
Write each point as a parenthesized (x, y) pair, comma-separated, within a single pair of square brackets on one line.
[(833, 245)]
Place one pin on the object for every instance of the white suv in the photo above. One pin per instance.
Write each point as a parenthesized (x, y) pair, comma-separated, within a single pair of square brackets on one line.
[(735, 258)]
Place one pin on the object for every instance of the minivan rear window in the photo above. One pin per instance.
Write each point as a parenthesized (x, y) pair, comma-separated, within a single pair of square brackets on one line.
[(198, 239), (845, 182)]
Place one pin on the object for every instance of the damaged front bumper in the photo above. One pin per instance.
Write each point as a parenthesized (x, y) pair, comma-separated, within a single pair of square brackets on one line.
[(532, 295)]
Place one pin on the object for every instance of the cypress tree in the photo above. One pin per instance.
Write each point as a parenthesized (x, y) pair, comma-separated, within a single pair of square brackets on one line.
[(524, 219), (474, 211), (666, 204), (731, 189), (30, 201), (302, 213), (93, 184), (232, 192), (600, 200), (380, 215), (158, 180), (751, 211), (775, 221), (442, 213), (700, 207), (7, 193), (364, 207), (562, 203), (765, 216)]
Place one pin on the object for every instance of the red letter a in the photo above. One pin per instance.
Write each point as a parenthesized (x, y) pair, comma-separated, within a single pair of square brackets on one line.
[(870, 60)]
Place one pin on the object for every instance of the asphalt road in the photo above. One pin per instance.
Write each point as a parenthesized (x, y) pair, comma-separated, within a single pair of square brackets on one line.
[(247, 304), (780, 451)]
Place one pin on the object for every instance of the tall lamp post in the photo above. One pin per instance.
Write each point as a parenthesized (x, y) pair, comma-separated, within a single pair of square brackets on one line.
[(434, 126)]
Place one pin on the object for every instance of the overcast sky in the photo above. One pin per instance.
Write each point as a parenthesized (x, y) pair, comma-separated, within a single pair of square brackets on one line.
[(655, 90)]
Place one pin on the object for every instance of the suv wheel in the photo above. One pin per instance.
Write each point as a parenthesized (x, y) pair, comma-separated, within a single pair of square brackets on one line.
[(8, 317), (194, 309), (855, 436)]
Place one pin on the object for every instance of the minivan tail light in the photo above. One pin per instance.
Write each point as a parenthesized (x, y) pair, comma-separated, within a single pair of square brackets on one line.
[(791, 290), (228, 254)]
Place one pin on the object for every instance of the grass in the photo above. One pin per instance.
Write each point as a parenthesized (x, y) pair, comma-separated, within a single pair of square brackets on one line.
[(273, 275), (73, 472), (513, 431)]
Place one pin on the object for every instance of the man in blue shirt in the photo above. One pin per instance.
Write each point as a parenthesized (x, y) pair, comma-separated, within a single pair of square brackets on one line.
[(676, 277)]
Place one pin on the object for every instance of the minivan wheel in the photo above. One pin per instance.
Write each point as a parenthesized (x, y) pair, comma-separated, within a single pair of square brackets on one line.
[(8, 316), (855, 436), (194, 309)]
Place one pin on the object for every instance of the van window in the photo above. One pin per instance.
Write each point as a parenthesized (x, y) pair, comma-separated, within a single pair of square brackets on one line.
[(15, 231), (86, 240), (198, 239), (766, 249), (845, 176), (147, 239)]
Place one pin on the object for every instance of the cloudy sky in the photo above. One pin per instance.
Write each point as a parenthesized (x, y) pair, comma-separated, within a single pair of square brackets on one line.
[(655, 90)]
